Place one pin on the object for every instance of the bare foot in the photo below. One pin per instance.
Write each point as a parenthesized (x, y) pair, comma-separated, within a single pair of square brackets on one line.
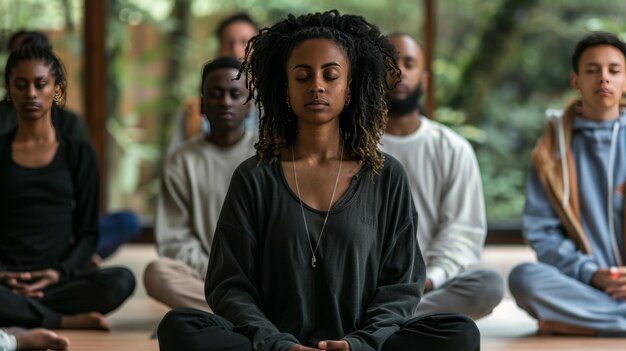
[(41, 339), (90, 320)]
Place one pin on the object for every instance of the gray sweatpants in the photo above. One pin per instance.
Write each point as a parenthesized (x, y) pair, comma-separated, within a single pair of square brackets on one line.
[(474, 293)]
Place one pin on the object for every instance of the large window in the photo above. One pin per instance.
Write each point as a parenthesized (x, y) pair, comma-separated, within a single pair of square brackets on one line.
[(498, 65)]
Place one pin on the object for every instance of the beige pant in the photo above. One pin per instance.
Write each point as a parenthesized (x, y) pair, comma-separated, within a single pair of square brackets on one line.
[(175, 284)]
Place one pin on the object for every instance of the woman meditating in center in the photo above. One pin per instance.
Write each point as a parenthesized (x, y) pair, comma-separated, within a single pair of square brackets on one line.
[(315, 248)]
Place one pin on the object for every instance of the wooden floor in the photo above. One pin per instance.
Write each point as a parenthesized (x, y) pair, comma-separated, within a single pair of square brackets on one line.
[(507, 329)]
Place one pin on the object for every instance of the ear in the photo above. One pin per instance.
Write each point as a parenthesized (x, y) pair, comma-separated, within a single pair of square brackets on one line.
[(573, 80), (349, 90), (57, 90)]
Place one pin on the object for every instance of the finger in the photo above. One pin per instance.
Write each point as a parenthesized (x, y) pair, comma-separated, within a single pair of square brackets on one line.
[(38, 285), (333, 345), (618, 293), (34, 294)]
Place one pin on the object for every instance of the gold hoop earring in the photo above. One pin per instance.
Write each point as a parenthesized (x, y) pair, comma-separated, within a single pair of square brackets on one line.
[(57, 98)]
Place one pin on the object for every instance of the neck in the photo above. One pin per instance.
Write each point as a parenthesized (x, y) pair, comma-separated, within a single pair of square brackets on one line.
[(318, 145), (599, 115), (403, 125), (38, 131), (226, 139)]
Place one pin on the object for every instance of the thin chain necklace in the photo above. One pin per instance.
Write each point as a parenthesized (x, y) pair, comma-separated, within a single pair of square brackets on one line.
[(295, 175)]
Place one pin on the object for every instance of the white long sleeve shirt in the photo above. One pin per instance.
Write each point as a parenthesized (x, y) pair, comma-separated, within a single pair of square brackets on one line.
[(445, 182), (194, 184), (7, 341)]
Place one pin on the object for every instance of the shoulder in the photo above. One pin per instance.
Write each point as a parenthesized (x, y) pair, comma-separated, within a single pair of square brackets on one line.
[(6, 138), (253, 167), (79, 150), (188, 149), (392, 170), (447, 138)]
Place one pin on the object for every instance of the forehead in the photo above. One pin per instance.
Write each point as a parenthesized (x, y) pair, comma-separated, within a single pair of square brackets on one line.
[(317, 52), (238, 29), (31, 68), (406, 47), (225, 78), (602, 54)]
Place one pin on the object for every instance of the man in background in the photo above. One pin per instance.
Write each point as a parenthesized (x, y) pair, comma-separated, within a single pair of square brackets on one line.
[(447, 190)]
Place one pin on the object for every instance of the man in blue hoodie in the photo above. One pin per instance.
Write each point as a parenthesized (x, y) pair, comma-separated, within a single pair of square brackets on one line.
[(574, 212)]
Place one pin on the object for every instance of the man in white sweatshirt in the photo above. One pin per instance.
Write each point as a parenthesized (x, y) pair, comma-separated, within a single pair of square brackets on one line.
[(194, 184), (447, 190)]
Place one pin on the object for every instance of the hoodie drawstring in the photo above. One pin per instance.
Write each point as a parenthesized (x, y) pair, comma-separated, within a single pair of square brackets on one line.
[(609, 192), (563, 156)]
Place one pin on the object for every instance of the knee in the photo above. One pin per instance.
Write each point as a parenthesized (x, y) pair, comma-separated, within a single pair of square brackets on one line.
[(169, 328), (158, 274), (181, 328), (153, 276), (468, 335), (491, 293), (119, 285), (494, 286), (521, 281), (444, 332)]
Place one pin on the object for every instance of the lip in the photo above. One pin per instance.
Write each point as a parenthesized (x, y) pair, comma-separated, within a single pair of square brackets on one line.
[(604, 92), (401, 88), (316, 104), (225, 115), (31, 106)]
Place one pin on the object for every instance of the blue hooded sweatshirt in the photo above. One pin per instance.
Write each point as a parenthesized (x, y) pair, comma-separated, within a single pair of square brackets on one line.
[(599, 153)]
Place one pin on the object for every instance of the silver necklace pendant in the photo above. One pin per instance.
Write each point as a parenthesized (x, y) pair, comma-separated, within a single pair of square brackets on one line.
[(332, 197)]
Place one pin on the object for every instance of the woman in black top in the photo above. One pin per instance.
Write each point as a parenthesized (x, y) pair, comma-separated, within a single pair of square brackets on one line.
[(49, 210), (315, 248)]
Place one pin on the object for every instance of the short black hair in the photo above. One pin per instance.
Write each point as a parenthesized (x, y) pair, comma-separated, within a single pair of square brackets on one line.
[(25, 37), (220, 62), (594, 39), (237, 17)]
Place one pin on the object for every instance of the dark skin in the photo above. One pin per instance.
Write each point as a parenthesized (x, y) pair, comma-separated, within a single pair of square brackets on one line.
[(32, 89), (611, 283), (223, 99)]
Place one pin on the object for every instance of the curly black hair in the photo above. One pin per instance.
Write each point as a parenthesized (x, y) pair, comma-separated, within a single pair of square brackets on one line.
[(371, 57)]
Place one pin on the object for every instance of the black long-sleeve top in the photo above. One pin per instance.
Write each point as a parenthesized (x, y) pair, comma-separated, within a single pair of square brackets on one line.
[(369, 275), (49, 214)]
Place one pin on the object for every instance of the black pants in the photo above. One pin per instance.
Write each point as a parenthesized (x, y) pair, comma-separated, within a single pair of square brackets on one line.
[(193, 330), (98, 291)]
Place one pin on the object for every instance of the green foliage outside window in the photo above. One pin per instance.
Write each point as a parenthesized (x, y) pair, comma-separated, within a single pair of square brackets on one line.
[(498, 66)]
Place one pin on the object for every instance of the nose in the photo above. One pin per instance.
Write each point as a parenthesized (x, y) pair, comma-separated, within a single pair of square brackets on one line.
[(604, 76), (226, 100), (31, 91), (317, 85)]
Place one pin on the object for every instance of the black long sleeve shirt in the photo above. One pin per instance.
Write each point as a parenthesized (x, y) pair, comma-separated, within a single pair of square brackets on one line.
[(49, 214), (369, 275)]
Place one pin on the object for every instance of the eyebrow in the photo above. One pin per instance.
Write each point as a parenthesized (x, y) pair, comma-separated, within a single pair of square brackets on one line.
[(330, 64), (596, 64), (36, 78)]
